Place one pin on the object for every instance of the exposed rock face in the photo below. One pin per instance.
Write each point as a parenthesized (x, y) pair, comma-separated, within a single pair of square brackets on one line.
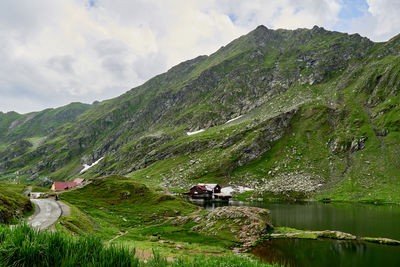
[(228, 82), (15, 149), (358, 144), (339, 146), (318, 93), (247, 224), (293, 183)]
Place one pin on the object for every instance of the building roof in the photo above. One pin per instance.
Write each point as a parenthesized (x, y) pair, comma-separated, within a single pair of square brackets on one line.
[(209, 186), (60, 186), (79, 180), (201, 187)]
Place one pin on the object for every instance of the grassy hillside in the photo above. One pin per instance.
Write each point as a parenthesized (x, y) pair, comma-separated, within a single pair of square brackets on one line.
[(12, 202), (315, 115), (115, 203), (120, 210), (23, 133), (16, 126)]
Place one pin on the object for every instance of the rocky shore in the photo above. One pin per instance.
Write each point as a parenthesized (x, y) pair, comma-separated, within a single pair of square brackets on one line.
[(333, 235)]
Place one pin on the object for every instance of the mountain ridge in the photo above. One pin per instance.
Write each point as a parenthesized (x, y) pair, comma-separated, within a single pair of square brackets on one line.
[(281, 82)]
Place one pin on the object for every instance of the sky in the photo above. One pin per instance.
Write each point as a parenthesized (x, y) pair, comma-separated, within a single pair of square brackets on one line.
[(56, 52)]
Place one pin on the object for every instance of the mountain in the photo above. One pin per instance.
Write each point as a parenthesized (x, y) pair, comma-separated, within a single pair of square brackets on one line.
[(15, 126), (303, 113)]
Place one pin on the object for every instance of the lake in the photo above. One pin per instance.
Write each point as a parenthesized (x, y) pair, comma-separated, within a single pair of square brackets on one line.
[(325, 252), (354, 218)]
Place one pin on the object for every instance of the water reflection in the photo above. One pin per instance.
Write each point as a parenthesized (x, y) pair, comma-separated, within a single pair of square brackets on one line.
[(354, 218), (301, 252)]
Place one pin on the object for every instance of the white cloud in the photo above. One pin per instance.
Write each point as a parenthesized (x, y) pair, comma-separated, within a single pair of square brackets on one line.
[(288, 14), (56, 52), (381, 21)]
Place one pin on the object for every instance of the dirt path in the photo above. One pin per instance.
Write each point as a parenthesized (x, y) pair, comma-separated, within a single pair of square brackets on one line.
[(47, 212), (118, 235)]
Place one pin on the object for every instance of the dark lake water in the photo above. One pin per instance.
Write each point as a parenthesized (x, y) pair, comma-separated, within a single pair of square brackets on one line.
[(301, 252), (358, 219)]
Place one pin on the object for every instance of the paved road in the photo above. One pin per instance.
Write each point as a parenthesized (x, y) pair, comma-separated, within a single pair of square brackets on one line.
[(47, 212)]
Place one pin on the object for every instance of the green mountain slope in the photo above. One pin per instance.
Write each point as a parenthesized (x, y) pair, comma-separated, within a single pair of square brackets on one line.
[(13, 204), (316, 113), (15, 126), (23, 133)]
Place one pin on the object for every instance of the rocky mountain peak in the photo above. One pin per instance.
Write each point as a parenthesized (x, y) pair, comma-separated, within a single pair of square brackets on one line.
[(268, 105)]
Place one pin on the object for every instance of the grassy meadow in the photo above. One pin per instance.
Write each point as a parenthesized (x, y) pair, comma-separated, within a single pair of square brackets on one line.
[(24, 246), (122, 211)]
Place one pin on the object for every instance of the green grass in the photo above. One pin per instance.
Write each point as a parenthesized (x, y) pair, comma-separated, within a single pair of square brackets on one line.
[(302, 234), (36, 125), (40, 189), (118, 203), (113, 205), (13, 203), (181, 234), (24, 246), (77, 223)]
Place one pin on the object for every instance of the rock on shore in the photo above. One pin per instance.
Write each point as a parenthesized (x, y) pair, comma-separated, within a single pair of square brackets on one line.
[(244, 224)]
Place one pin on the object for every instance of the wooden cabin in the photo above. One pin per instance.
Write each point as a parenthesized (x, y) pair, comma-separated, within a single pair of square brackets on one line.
[(207, 192), (200, 192), (215, 188)]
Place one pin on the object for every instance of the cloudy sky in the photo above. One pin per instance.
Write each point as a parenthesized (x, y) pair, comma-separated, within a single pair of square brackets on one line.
[(56, 52)]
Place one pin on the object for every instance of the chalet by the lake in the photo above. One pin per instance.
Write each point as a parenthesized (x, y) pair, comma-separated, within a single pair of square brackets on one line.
[(207, 192)]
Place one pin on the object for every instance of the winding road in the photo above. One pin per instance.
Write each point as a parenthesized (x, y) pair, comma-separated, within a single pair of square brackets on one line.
[(47, 212)]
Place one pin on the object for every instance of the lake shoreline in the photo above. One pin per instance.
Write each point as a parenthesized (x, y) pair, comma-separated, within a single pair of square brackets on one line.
[(326, 234), (289, 200)]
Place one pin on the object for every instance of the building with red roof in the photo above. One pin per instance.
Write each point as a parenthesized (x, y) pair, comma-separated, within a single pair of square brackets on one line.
[(61, 186), (207, 192)]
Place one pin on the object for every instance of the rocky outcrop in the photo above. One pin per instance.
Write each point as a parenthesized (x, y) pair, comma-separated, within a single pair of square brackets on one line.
[(246, 224), (295, 182), (339, 145), (15, 149), (268, 132), (358, 144), (334, 235)]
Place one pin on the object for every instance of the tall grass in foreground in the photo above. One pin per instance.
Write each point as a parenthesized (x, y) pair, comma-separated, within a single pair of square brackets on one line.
[(24, 246)]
